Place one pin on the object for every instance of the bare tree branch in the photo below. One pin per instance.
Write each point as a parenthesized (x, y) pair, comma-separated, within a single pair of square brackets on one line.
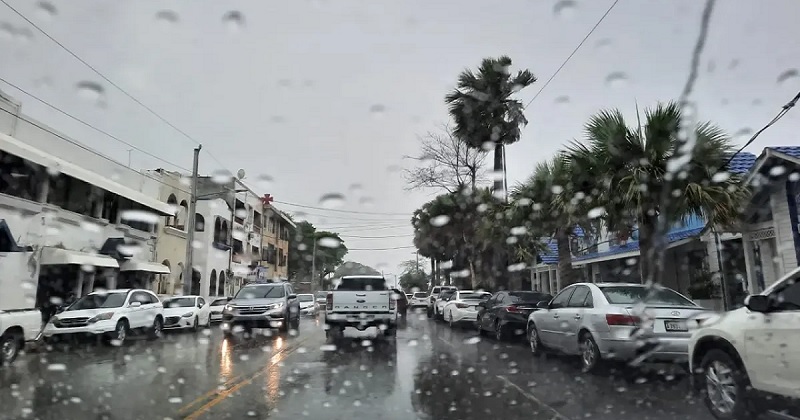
[(445, 163)]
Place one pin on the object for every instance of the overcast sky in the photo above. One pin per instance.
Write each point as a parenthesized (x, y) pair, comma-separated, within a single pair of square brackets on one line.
[(327, 96)]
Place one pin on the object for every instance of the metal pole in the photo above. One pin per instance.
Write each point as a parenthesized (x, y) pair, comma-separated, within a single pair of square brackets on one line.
[(314, 263), (723, 283), (188, 270)]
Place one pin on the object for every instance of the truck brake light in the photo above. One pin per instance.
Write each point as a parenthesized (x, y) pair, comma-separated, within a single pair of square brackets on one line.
[(329, 302), (392, 302)]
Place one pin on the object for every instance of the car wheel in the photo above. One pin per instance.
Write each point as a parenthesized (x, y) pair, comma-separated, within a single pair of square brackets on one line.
[(500, 332), (296, 323), (534, 341), (120, 334), (450, 320), (430, 313), (590, 353), (196, 324), (478, 327), (724, 386), (10, 346), (157, 329)]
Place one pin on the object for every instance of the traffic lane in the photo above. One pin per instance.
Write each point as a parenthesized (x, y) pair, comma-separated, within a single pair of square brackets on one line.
[(652, 391), (366, 376), (141, 379)]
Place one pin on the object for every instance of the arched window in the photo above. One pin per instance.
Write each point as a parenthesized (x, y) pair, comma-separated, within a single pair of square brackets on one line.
[(221, 284), (212, 282), (199, 222), (172, 201), (224, 238), (217, 229), (180, 222), (164, 280)]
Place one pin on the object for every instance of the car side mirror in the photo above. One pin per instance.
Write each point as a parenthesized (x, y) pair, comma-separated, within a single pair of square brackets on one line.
[(543, 304), (135, 304), (292, 296), (757, 303)]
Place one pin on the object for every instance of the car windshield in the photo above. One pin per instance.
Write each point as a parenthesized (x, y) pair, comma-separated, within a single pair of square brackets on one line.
[(630, 295), (420, 294), (99, 300), (321, 294), (529, 297), (183, 302), (305, 298), (260, 292), (219, 302), (362, 284)]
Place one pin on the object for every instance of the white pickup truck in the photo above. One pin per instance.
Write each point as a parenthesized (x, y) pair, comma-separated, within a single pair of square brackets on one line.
[(361, 302)]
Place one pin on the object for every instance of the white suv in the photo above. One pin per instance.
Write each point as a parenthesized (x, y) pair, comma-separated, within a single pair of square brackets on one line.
[(110, 313), (750, 353)]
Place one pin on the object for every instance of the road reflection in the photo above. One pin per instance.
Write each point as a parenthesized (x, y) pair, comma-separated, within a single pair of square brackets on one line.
[(361, 367)]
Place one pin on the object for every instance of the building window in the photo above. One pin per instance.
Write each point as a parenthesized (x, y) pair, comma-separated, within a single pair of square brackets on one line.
[(239, 212), (18, 177), (172, 201), (199, 223), (180, 219)]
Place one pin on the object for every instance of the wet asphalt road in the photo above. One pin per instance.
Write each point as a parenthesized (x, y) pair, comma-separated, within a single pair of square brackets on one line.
[(430, 372)]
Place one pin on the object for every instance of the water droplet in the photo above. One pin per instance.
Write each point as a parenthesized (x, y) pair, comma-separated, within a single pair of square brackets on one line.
[(57, 367), (556, 189), (743, 134), (517, 267), (519, 230), (175, 400), (46, 10), (332, 200), (596, 212), (564, 8), (139, 216), (721, 176), (472, 340), (733, 64), (440, 220), (377, 109), (167, 16), (355, 188), (233, 20), (616, 79), (329, 242), (91, 91), (562, 100), (221, 176), (328, 347), (277, 119), (788, 75)]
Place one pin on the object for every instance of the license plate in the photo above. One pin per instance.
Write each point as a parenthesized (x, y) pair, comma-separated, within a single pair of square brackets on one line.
[(675, 326)]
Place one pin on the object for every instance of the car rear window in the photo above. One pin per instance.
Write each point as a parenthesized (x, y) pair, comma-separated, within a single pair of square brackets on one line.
[(362, 283), (630, 295), (420, 294), (472, 295), (219, 302), (531, 297)]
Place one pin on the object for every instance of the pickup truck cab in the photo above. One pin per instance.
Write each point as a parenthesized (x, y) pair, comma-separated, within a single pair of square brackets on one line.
[(361, 302), (17, 327)]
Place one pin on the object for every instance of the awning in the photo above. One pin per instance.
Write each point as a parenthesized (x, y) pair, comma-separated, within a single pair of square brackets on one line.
[(25, 151), (150, 267), (58, 256)]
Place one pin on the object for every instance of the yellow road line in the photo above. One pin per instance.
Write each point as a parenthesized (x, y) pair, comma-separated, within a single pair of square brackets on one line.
[(223, 394)]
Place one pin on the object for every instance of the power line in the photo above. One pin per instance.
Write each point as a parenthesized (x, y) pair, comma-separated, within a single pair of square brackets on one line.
[(573, 52), (408, 235), (344, 218), (99, 130), (339, 210), (381, 249), (111, 82)]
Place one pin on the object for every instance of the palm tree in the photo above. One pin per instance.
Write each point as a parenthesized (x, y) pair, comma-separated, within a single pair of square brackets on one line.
[(557, 208), (640, 181), (484, 110)]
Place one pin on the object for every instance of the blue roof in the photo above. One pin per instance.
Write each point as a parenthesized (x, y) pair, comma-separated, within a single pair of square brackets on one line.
[(551, 256), (674, 235), (741, 162), (793, 151)]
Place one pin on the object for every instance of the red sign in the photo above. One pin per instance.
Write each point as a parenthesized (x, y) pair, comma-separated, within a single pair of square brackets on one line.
[(267, 199)]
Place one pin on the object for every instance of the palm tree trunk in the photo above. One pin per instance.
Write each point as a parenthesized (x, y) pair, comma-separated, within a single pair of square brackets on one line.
[(647, 249), (499, 191), (566, 274)]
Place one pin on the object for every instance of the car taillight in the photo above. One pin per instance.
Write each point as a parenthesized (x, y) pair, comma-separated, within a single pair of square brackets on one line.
[(392, 302), (619, 319), (329, 302), (513, 309), (462, 305)]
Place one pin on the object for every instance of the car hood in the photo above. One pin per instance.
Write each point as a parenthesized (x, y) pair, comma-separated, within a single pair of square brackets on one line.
[(178, 311), (83, 313), (255, 302)]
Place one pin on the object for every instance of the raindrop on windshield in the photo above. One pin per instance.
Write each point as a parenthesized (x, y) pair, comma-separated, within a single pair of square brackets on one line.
[(721, 176), (46, 10), (167, 16), (596, 212), (616, 79), (562, 100), (265, 181), (91, 91), (221, 176), (564, 8), (329, 242), (743, 134), (332, 200), (787, 75), (440, 220), (377, 109), (233, 20), (140, 216)]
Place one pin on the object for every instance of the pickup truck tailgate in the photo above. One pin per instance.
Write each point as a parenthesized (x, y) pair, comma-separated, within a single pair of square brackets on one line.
[(363, 302)]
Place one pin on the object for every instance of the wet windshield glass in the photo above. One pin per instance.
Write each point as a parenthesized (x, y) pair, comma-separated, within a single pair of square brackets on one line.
[(305, 298), (260, 292), (629, 295), (179, 303), (219, 302), (100, 300)]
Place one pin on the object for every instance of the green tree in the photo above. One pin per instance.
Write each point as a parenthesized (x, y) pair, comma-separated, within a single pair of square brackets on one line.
[(414, 279), (485, 111), (351, 268), (640, 179), (322, 250)]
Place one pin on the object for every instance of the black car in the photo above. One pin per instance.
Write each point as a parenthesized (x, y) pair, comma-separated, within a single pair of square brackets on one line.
[(505, 314)]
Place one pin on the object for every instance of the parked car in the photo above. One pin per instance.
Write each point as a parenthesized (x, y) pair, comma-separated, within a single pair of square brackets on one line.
[(308, 305), (110, 314), (418, 299), (747, 361), (438, 304), (186, 312), (320, 297), (217, 306), (262, 305), (505, 314), (462, 306), (621, 321), (433, 296)]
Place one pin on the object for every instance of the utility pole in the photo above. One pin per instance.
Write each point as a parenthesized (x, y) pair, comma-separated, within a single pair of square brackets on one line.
[(314, 264), (188, 270)]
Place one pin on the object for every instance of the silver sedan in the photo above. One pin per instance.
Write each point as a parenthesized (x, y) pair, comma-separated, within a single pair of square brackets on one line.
[(622, 321)]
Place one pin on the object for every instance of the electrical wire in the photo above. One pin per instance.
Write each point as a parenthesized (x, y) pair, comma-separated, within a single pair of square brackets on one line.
[(99, 130), (340, 210), (381, 249), (573, 53), (408, 235)]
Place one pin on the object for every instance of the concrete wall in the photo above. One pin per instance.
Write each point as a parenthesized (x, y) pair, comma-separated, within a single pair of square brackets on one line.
[(207, 258)]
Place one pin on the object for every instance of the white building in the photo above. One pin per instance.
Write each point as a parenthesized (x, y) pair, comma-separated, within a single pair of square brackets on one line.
[(83, 228)]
